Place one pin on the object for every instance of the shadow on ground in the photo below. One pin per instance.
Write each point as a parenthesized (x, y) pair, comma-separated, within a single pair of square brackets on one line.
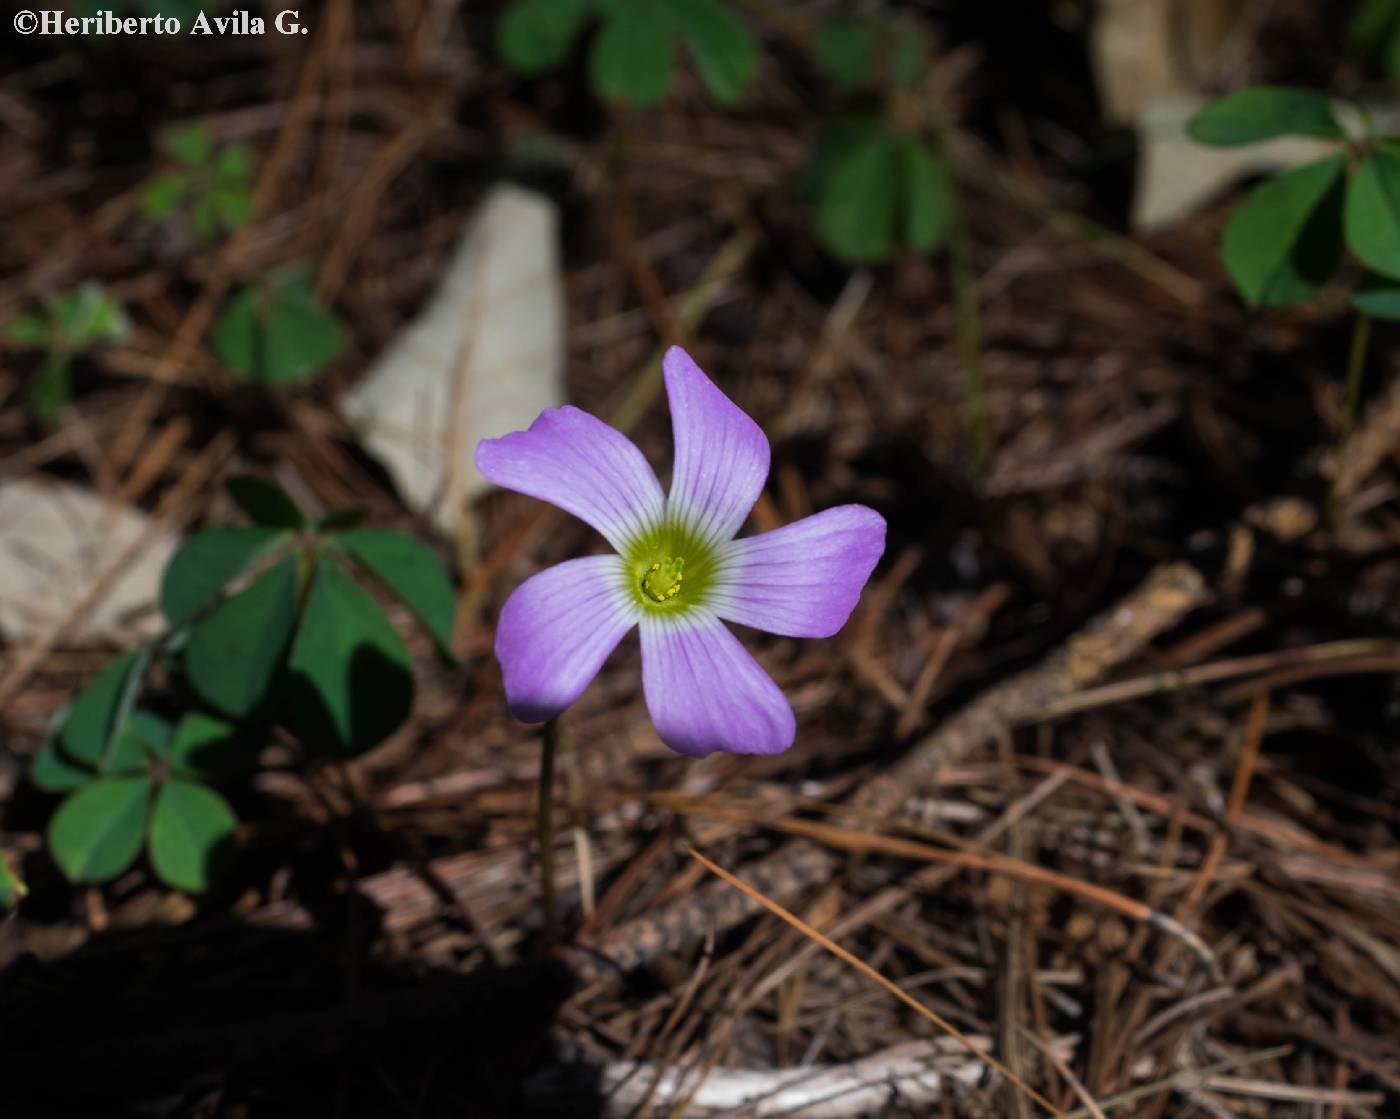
[(237, 1020)]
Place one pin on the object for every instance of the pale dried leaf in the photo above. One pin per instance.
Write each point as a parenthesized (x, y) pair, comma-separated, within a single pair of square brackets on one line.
[(56, 538), (483, 358), (1143, 50)]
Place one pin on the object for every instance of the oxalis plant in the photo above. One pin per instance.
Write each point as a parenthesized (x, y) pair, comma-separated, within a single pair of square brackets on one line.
[(1287, 239), (878, 180), (632, 59), (268, 627), (676, 573), (70, 324), (216, 187)]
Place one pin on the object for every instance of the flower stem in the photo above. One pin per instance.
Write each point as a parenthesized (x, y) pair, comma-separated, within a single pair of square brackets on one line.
[(549, 748), (1356, 367)]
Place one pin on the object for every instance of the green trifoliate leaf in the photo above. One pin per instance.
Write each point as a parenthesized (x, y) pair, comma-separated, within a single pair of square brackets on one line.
[(857, 210), (191, 827), (720, 42), (232, 206), (1373, 212), (276, 334), (411, 571), (1378, 297), (96, 833), (926, 196), (233, 165), (163, 193), (847, 49), (209, 748), (233, 655), (837, 141), (99, 713), (206, 562), (144, 735), (27, 332), (908, 63), (351, 674), (1263, 112), (86, 316), (534, 35), (1285, 240), (189, 145), (52, 769), (265, 502), (50, 390), (633, 56)]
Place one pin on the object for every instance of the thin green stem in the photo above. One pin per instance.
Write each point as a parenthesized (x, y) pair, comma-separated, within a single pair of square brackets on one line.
[(1356, 368), (549, 747)]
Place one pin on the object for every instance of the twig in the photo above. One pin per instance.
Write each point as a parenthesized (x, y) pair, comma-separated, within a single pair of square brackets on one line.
[(873, 975), (1164, 598)]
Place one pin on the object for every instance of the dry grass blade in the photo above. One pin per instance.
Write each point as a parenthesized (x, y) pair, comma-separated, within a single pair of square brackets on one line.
[(873, 975), (874, 842)]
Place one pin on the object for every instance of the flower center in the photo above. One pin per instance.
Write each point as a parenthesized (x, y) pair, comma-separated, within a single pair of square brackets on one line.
[(669, 569), (662, 581)]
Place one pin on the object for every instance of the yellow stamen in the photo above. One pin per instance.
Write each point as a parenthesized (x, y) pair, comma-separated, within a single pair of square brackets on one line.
[(662, 580)]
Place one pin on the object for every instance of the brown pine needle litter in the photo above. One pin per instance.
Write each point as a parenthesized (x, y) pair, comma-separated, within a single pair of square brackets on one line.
[(1102, 767), (873, 975)]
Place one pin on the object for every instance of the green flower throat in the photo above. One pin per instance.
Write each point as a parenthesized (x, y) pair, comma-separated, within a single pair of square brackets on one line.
[(669, 569)]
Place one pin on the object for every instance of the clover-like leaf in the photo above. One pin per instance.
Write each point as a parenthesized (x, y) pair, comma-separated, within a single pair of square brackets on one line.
[(86, 316), (265, 502), (27, 332), (163, 193), (207, 747), (190, 827), (909, 60), (96, 833), (275, 333), (233, 654), (858, 205), (233, 165), (721, 44), (1285, 240), (52, 769), (207, 561), (231, 205), (534, 35), (926, 197), (97, 716), (633, 56), (351, 675), (412, 572), (1247, 116), (50, 390), (189, 145), (847, 49), (1378, 297), (1373, 211)]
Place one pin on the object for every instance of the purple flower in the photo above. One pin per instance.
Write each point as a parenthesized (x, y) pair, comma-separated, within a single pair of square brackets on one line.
[(677, 571)]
